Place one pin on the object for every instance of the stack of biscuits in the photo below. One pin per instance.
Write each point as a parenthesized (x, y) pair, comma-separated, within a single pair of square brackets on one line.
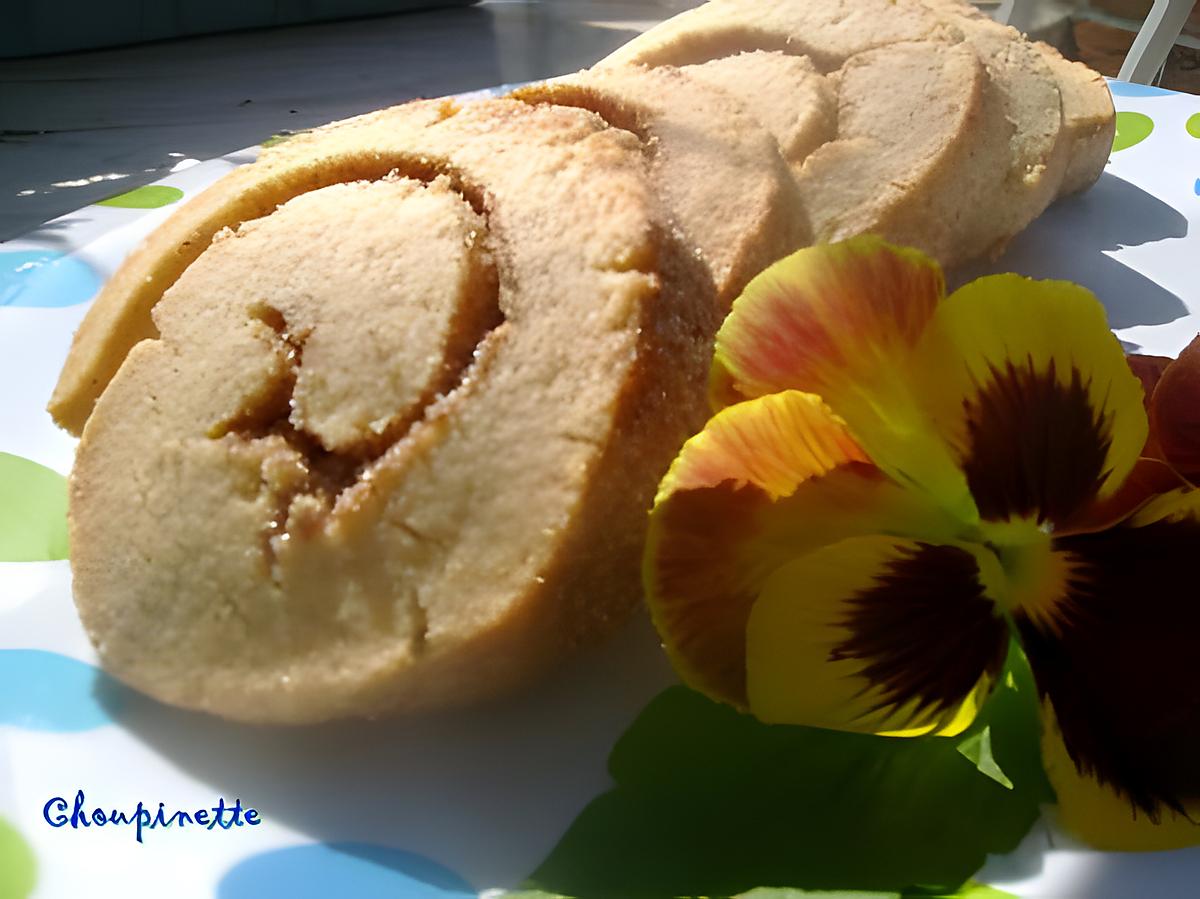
[(373, 424)]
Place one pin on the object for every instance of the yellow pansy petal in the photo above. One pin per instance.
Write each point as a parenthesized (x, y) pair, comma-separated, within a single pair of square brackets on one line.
[(825, 316), (1101, 817), (878, 635), (1032, 393), (1115, 661), (766, 481)]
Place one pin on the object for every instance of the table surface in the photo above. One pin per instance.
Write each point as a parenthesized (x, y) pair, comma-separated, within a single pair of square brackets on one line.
[(79, 127), (1133, 239)]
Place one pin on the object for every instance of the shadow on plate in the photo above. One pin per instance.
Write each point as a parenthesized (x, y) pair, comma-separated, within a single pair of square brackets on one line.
[(486, 791), (1072, 241), (1120, 875), (706, 801)]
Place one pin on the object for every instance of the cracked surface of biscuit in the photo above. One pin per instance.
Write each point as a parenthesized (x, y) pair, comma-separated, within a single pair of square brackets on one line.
[(1039, 127), (909, 189), (806, 120), (827, 31), (120, 315), (374, 423), (718, 170), (368, 462)]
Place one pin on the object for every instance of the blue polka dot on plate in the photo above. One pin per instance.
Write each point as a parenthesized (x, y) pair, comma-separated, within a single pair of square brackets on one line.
[(45, 278), (51, 692), (1129, 89), (360, 870)]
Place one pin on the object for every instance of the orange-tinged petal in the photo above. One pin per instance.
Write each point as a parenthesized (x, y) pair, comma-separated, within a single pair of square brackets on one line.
[(726, 518), (878, 635), (1151, 474), (1031, 391), (784, 439), (824, 316), (1115, 661), (843, 321), (1148, 369), (1175, 413), (1149, 478)]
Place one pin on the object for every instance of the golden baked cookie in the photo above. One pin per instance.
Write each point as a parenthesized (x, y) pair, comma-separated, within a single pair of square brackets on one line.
[(718, 170), (787, 95), (1039, 128), (1088, 118), (827, 31), (392, 444), (1022, 100), (374, 423), (913, 160), (120, 315)]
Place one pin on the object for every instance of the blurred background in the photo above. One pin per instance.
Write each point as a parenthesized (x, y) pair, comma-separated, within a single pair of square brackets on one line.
[(97, 98), (1100, 32)]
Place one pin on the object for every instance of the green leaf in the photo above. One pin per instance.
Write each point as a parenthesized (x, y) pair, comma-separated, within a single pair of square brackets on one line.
[(788, 893), (978, 749), (1013, 732), (969, 890), (33, 511), (710, 802), (974, 890)]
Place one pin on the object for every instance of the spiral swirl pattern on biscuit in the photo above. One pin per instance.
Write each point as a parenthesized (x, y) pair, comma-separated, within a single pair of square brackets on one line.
[(374, 423)]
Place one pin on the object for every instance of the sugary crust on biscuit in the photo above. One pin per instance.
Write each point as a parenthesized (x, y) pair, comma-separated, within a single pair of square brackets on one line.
[(903, 161), (719, 172), (1046, 159), (120, 315), (827, 31), (490, 536), (1089, 120), (1023, 102), (785, 93), (373, 423), (1052, 117)]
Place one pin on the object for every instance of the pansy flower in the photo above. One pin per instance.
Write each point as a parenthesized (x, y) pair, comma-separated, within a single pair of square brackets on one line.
[(896, 483)]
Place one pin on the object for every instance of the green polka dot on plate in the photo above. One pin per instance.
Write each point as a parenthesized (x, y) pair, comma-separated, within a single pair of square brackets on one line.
[(1132, 128), (1193, 125), (152, 196), (18, 871), (33, 511)]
